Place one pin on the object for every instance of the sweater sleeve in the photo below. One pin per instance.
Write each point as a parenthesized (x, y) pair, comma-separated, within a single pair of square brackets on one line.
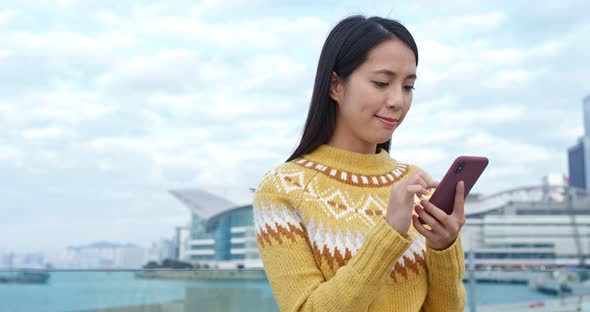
[(446, 269), (295, 278)]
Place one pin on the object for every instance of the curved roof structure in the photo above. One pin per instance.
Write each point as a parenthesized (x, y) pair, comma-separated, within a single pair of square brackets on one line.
[(495, 201), (204, 204), (212, 223)]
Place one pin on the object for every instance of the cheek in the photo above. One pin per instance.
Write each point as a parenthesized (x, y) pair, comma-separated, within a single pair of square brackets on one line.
[(369, 102), (357, 114), (361, 103), (408, 103)]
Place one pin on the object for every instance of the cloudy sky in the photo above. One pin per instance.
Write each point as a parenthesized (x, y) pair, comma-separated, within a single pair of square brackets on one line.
[(105, 106)]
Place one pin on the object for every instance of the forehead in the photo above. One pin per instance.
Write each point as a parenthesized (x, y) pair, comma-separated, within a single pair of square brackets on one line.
[(393, 55)]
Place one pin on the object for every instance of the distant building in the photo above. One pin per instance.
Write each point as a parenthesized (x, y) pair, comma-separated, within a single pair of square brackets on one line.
[(579, 154), (554, 186), (181, 242), (5, 260), (222, 233), (577, 165), (130, 258), (104, 255), (153, 253), (167, 250), (34, 260), (538, 227), (586, 108)]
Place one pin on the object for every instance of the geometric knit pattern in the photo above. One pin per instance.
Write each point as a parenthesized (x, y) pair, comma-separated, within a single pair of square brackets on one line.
[(335, 248), (278, 224), (349, 178), (317, 225)]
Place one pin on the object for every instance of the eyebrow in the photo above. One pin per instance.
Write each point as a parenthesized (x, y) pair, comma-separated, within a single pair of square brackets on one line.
[(391, 73)]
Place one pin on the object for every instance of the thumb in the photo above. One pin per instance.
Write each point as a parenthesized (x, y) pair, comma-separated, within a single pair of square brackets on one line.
[(459, 207)]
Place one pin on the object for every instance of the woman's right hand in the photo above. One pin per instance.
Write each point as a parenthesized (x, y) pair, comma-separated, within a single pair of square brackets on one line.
[(401, 201)]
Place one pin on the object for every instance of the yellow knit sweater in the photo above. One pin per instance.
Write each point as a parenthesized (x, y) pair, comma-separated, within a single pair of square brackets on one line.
[(326, 245)]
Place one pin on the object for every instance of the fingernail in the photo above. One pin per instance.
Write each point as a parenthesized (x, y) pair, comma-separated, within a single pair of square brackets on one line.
[(423, 202)]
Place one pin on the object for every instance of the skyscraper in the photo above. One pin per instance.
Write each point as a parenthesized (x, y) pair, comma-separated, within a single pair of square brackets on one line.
[(579, 154), (577, 165), (586, 107)]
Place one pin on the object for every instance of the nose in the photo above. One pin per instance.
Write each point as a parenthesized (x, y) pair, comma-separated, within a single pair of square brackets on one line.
[(395, 98)]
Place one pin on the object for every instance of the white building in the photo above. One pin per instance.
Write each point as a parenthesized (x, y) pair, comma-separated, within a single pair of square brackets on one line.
[(542, 226), (32, 260), (181, 242), (103, 255), (222, 233)]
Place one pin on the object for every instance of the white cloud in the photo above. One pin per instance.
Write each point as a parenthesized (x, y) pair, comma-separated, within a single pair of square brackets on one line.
[(68, 5), (194, 30), (150, 73), (43, 133), (230, 4), (70, 47), (118, 144), (516, 78), (505, 151), (268, 32), (196, 72), (7, 16), (505, 55), (274, 72), (64, 104), (10, 155), (469, 23), (225, 108)]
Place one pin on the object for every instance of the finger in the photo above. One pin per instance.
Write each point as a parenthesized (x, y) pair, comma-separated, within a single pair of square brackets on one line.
[(435, 225), (433, 184), (435, 212), (423, 175), (417, 177), (417, 189), (423, 178), (418, 180), (459, 205), (421, 229)]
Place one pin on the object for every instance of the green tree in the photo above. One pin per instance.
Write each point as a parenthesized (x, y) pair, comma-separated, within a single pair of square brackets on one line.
[(175, 264), (151, 265)]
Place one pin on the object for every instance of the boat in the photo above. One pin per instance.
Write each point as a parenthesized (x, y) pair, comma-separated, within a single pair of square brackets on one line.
[(25, 277)]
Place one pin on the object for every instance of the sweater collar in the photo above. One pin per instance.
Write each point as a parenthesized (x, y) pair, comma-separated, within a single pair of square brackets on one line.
[(352, 162)]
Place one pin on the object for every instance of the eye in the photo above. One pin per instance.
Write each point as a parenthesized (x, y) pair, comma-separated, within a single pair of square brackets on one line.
[(380, 84), (409, 88)]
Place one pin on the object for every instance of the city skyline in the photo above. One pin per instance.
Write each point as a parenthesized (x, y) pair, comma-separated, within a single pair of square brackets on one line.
[(106, 107)]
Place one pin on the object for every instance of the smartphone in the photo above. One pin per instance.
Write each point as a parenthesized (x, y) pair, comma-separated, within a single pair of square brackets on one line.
[(465, 168)]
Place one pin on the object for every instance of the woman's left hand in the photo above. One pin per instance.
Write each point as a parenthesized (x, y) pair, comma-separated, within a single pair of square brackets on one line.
[(444, 228)]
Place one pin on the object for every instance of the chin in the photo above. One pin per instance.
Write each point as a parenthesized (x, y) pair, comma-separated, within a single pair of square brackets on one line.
[(384, 138), (380, 140)]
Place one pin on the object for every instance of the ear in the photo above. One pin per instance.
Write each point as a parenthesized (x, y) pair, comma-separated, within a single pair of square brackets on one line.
[(336, 88)]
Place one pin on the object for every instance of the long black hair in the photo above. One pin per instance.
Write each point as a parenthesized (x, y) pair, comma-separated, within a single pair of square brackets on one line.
[(346, 48)]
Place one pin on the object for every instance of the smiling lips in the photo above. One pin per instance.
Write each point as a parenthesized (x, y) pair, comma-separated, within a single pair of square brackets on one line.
[(389, 122)]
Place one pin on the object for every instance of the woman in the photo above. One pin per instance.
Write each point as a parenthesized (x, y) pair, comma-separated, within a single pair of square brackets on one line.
[(337, 224)]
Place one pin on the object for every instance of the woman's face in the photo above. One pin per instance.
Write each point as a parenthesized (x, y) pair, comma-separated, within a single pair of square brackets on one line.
[(377, 95)]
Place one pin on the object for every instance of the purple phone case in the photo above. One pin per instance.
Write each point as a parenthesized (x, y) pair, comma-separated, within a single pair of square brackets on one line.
[(471, 170)]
